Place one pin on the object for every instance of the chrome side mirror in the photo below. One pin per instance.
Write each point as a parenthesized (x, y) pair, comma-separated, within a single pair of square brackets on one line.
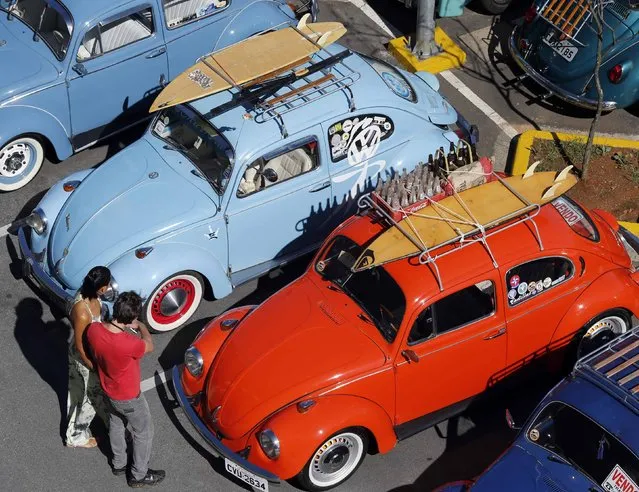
[(510, 421)]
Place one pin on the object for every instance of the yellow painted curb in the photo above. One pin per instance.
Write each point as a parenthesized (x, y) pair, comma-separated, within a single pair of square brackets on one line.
[(452, 56), (524, 145)]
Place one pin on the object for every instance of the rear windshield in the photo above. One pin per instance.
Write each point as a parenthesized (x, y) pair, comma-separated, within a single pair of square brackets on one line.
[(374, 290), (576, 217)]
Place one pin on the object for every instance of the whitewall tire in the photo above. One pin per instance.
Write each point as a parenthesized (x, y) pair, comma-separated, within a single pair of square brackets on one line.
[(173, 302), (20, 161)]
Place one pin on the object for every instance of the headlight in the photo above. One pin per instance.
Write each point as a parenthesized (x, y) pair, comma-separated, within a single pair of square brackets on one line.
[(111, 292), (193, 361), (270, 443), (37, 221)]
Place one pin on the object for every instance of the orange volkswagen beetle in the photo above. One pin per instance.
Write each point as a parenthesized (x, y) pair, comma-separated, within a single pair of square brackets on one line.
[(338, 364)]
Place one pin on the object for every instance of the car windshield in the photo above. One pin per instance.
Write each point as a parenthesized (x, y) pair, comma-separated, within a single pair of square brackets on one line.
[(187, 132), (48, 19), (585, 445), (392, 78), (374, 290)]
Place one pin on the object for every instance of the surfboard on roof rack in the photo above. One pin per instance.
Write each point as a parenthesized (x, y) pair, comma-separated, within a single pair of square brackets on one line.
[(251, 61), (464, 217)]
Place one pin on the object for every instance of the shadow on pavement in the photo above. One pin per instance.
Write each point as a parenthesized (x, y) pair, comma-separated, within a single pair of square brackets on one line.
[(44, 345)]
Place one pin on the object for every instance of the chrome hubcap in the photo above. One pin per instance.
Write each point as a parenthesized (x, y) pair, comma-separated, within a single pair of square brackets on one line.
[(336, 459), (14, 159), (173, 302), (601, 333)]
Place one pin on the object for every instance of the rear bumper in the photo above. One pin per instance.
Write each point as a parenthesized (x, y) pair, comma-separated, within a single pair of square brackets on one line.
[(32, 270), (556, 90), (218, 448)]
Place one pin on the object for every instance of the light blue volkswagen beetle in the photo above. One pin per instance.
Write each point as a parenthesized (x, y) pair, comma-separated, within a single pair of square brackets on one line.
[(74, 73), (222, 190)]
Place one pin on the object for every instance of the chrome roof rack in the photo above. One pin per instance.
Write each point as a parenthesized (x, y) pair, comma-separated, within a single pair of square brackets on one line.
[(615, 367), (479, 234)]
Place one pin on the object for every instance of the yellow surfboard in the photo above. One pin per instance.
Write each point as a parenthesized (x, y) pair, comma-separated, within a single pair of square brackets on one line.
[(459, 214), (250, 60)]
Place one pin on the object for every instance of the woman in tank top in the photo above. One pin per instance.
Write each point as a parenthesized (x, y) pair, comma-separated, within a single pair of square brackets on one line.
[(85, 396)]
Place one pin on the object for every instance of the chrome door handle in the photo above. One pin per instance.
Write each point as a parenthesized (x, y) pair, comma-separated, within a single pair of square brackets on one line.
[(320, 187), (499, 333), (157, 52)]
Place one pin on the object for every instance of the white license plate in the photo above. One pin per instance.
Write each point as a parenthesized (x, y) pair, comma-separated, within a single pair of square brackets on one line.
[(247, 477), (564, 48)]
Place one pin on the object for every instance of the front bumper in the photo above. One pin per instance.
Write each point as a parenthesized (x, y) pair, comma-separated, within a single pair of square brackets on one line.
[(218, 448), (561, 93), (32, 270)]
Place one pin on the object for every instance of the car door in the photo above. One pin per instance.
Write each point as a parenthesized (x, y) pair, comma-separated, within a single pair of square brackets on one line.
[(278, 208), (454, 348), (115, 73), (539, 291)]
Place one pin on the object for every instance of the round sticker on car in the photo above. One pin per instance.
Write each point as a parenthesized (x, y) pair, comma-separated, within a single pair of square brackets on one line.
[(539, 286), (523, 288), (512, 293), (396, 85), (547, 282), (514, 281)]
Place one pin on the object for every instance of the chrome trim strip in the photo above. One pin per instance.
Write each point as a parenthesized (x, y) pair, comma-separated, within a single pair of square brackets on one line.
[(218, 447), (550, 86)]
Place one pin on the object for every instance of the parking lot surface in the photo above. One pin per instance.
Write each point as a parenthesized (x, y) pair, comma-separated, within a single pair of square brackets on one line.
[(33, 353)]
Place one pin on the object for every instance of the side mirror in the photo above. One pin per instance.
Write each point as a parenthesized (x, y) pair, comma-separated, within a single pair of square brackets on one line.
[(510, 421), (270, 174)]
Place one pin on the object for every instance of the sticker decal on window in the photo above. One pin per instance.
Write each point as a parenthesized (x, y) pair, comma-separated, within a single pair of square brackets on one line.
[(396, 85), (619, 481), (359, 137)]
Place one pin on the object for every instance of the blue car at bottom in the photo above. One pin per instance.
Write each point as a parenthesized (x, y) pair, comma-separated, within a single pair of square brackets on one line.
[(583, 436)]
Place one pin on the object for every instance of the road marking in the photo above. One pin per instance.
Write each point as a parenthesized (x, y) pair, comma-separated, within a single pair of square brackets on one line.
[(386, 26), (4, 230), (150, 383)]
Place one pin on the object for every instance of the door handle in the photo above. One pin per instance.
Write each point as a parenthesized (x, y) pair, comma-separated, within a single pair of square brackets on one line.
[(498, 333), (410, 355), (157, 52), (320, 187), (80, 69)]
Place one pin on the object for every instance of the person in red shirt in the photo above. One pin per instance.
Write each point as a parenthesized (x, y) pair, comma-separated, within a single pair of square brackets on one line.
[(117, 351)]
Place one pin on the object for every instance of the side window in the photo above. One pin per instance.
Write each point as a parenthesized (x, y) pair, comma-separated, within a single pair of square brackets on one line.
[(180, 12), (270, 170), (532, 278), (116, 34), (464, 306), (358, 138)]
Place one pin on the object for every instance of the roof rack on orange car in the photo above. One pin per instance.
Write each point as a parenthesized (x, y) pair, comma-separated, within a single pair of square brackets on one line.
[(569, 16), (463, 218), (615, 366)]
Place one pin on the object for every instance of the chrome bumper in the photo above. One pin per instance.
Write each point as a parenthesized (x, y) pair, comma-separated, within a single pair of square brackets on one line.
[(219, 449), (550, 86), (31, 269)]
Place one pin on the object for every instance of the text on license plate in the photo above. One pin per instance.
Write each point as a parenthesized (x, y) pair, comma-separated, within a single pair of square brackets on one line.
[(564, 48), (247, 477)]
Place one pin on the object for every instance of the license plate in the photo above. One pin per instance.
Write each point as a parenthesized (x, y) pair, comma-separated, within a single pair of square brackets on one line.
[(247, 477), (563, 48)]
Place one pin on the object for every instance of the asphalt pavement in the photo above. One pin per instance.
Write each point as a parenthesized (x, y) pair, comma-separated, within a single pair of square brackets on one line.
[(33, 353)]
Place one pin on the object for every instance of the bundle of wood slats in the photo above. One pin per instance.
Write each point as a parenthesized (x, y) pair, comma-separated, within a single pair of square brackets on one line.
[(566, 15)]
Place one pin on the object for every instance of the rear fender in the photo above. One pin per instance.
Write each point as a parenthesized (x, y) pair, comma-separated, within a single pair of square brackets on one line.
[(300, 434), (626, 92), (18, 120), (256, 17), (614, 289), (166, 259)]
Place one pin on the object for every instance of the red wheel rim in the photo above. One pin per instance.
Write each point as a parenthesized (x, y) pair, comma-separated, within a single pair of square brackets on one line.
[(172, 301)]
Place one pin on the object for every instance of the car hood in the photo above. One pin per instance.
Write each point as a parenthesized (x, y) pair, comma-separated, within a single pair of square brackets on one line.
[(23, 67), (617, 35), (131, 199), (518, 470), (292, 345)]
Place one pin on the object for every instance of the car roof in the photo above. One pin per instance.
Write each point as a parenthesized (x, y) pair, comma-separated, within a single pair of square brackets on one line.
[(368, 90), (84, 10), (510, 244)]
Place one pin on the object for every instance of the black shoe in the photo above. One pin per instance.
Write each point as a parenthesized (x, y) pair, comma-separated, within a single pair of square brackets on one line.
[(118, 471), (153, 477)]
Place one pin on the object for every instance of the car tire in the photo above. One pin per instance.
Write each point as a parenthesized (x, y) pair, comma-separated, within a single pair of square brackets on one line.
[(173, 301), (20, 161), (495, 6), (335, 460), (602, 330)]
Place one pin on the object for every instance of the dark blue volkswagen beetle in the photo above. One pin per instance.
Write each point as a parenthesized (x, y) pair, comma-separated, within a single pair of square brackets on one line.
[(556, 46)]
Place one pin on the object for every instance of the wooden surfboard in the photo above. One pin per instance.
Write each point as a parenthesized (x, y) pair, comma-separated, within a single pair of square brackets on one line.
[(444, 220), (249, 60)]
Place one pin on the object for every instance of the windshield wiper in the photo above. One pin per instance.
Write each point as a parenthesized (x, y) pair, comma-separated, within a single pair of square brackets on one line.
[(563, 460)]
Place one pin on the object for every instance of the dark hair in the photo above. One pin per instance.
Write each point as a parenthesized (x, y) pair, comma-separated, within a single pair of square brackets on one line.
[(127, 307), (97, 278)]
